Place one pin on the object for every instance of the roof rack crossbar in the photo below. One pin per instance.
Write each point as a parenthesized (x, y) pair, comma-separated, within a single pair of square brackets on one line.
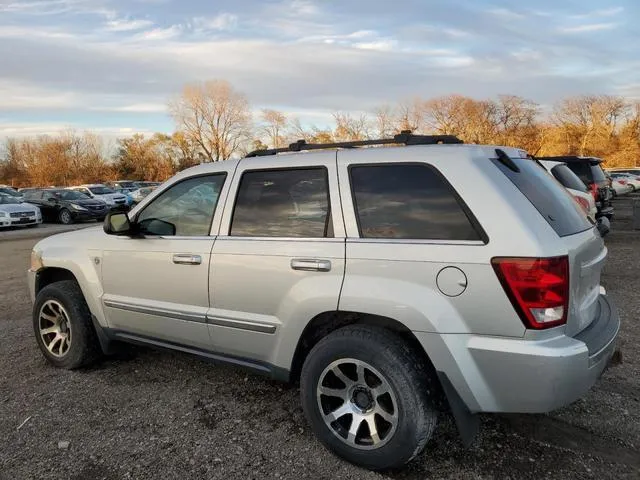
[(403, 138)]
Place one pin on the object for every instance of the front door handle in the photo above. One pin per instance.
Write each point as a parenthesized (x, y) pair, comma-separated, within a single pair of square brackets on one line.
[(311, 264), (186, 259)]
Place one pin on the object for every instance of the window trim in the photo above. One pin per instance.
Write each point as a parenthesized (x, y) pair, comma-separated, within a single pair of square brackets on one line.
[(330, 217), (169, 187), (473, 221)]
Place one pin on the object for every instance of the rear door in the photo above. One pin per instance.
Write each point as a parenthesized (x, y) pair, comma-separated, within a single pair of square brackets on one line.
[(279, 259)]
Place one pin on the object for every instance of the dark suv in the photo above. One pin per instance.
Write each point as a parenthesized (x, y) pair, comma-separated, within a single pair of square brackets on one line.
[(67, 206), (588, 169)]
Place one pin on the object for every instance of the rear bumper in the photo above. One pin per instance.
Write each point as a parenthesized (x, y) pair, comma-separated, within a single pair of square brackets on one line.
[(605, 212), (493, 374)]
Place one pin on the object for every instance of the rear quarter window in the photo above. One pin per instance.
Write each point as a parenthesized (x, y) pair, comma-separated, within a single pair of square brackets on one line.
[(409, 201), (550, 198)]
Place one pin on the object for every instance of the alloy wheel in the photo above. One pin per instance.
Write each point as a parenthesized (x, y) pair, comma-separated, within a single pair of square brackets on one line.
[(55, 328), (357, 404)]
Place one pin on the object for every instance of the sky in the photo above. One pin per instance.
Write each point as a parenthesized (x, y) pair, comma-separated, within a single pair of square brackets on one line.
[(111, 66)]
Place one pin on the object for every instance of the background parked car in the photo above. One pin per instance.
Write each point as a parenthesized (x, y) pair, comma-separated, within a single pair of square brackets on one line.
[(620, 187), (10, 191), (576, 187), (15, 212), (99, 191), (627, 178), (139, 194), (589, 170), (67, 206)]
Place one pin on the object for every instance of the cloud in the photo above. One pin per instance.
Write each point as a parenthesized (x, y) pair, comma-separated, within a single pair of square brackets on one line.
[(507, 14), (607, 12), (223, 21), (589, 27), (136, 108), (125, 24), (161, 33)]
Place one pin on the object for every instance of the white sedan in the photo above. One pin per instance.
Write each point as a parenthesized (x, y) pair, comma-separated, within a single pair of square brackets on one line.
[(14, 212), (627, 179)]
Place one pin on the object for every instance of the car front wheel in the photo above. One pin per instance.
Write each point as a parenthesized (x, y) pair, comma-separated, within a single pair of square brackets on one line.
[(369, 397), (62, 326), (65, 217)]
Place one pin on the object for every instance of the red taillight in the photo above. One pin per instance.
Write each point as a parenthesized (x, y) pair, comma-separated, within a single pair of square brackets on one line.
[(537, 287), (622, 182), (583, 202), (594, 191)]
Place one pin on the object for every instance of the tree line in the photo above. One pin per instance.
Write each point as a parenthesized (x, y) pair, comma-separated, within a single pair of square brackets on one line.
[(214, 122)]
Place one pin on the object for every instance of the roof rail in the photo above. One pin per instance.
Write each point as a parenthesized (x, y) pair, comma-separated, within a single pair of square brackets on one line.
[(405, 137)]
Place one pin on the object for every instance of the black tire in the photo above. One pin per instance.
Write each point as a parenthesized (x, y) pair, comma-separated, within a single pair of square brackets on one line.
[(410, 379), (84, 347), (65, 217)]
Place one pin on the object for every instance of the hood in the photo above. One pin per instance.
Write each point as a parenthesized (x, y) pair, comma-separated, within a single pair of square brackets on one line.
[(88, 202), (112, 196), (81, 238), (20, 207)]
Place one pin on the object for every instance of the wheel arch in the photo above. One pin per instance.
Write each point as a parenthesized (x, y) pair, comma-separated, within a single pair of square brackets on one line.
[(324, 323)]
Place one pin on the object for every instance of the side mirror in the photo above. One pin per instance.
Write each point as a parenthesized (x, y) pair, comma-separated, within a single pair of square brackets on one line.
[(117, 223)]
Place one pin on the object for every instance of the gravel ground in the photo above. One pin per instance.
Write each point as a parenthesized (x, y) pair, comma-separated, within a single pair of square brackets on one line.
[(151, 414)]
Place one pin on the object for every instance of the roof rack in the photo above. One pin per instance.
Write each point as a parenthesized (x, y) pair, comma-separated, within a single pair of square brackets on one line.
[(405, 137)]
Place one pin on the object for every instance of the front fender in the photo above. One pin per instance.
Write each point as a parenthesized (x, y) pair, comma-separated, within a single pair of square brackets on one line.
[(86, 268)]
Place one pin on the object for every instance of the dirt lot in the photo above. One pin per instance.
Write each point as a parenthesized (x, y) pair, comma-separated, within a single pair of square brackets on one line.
[(165, 415)]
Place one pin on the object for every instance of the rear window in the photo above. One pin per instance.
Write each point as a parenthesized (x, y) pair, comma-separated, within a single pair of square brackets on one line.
[(553, 202), (598, 173), (566, 177)]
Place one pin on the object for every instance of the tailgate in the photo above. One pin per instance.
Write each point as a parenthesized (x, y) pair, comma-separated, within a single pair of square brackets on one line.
[(587, 256)]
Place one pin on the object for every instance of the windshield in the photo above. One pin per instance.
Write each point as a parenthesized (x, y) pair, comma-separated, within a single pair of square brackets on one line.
[(70, 195), (8, 200), (10, 191), (100, 190), (127, 185)]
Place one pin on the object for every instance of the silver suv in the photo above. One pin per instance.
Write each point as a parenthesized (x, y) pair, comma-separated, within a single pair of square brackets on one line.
[(391, 282)]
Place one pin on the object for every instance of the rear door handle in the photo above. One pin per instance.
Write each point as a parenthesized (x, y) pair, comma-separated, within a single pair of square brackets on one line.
[(311, 264), (186, 259)]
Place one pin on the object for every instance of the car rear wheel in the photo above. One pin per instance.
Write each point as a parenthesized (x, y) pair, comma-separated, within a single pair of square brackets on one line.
[(62, 326), (369, 397), (65, 217)]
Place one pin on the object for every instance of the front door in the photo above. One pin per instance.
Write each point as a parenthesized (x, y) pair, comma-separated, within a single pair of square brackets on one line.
[(279, 258), (156, 286)]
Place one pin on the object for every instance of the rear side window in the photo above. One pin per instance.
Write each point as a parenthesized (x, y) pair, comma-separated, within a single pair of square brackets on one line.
[(408, 201), (553, 202), (283, 203), (566, 177)]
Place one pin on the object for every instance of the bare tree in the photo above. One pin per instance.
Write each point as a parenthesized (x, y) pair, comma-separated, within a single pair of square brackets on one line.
[(386, 122), (349, 127), (273, 127), (215, 116), (589, 121)]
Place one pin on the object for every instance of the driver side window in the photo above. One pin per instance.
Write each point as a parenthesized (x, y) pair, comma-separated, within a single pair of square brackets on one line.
[(186, 208)]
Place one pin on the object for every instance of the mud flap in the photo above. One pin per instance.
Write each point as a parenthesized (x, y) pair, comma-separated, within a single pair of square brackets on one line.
[(468, 423), (106, 344)]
